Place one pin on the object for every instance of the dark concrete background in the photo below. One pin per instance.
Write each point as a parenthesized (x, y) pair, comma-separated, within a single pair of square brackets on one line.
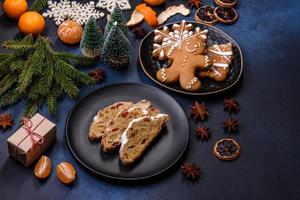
[(268, 34)]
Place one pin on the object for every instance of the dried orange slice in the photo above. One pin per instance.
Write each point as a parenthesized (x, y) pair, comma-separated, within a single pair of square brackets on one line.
[(149, 14), (226, 15), (227, 149), (206, 15), (226, 3)]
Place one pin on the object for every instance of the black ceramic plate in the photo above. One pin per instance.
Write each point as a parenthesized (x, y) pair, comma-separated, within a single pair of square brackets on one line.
[(151, 65), (161, 155)]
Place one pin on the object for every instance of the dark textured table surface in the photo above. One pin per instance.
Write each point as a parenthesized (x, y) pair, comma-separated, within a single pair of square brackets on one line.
[(268, 34)]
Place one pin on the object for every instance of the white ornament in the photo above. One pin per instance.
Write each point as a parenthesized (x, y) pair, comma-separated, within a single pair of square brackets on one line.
[(72, 10), (109, 5), (58, 11), (82, 12)]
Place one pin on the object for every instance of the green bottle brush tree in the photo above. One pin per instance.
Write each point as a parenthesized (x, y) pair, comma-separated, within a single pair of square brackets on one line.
[(92, 39), (116, 16), (116, 49)]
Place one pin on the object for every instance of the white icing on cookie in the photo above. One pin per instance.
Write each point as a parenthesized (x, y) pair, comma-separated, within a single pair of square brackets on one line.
[(224, 65), (192, 82), (163, 74), (194, 49), (206, 61)]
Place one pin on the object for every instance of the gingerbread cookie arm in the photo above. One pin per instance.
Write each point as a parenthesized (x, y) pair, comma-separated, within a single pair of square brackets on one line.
[(202, 61)]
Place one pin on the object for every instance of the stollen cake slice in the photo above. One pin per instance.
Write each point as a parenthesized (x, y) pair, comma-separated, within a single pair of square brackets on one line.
[(98, 125), (139, 135), (111, 139)]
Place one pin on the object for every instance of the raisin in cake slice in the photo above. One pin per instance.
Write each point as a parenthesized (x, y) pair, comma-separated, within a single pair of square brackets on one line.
[(98, 125), (111, 139), (139, 135), (222, 56)]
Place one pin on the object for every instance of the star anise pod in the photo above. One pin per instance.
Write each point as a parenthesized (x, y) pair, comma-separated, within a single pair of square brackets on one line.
[(231, 125), (231, 105), (203, 133), (195, 3), (199, 111), (139, 33), (191, 171), (97, 75), (6, 121)]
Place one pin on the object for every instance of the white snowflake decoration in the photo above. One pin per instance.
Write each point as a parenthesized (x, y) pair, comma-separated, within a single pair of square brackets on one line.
[(58, 11), (72, 10), (109, 5), (82, 12)]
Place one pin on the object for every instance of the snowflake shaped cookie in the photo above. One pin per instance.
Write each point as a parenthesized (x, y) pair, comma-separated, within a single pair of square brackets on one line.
[(60, 11), (109, 5)]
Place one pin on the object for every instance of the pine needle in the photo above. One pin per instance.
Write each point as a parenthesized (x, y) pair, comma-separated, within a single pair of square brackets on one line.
[(38, 5), (19, 45)]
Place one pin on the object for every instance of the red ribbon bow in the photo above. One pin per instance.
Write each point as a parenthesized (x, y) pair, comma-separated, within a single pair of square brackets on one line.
[(28, 127)]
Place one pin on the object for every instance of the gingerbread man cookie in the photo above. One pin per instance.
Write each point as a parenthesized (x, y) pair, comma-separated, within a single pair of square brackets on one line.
[(184, 46), (222, 56)]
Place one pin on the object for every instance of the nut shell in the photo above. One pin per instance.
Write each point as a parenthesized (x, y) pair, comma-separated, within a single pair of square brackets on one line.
[(43, 168), (65, 172)]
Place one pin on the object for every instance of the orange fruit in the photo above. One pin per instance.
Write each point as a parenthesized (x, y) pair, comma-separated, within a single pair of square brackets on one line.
[(149, 14), (154, 2), (14, 8), (69, 32), (32, 22)]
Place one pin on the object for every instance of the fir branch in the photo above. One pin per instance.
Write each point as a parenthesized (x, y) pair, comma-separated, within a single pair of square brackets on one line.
[(4, 65), (32, 107), (75, 59), (38, 58), (6, 83), (67, 69), (20, 45), (42, 86), (52, 100), (25, 77), (38, 5), (38, 74), (10, 97), (67, 85), (17, 66), (4, 56)]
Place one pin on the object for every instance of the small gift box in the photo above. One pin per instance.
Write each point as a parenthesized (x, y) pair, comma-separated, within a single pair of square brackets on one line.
[(32, 139)]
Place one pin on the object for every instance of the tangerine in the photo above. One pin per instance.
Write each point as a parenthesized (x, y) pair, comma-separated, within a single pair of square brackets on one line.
[(149, 14), (32, 23), (70, 32), (154, 2), (14, 8)]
